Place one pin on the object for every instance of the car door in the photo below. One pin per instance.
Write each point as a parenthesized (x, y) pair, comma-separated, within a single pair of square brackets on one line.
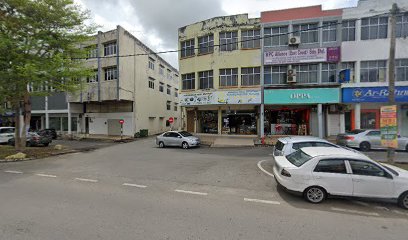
[(370, 180), (178, 139), (331, 174), (374, 137), (167, 139), (6, 134)]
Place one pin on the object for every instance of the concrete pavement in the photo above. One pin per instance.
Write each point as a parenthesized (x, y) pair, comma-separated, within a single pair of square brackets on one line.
[(138, 191)]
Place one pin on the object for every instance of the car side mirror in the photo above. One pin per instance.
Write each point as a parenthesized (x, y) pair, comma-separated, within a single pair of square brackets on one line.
[(179, 136)]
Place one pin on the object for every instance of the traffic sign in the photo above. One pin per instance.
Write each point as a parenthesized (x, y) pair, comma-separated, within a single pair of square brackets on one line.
[(171, 120), (121, 121)]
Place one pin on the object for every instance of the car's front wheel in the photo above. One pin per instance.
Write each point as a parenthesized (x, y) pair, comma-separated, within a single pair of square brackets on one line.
[(161, 145), (185, 145), (315, 194), (403, 200)]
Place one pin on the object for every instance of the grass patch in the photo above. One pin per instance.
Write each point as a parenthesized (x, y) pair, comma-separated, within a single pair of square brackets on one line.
[(32, 152)]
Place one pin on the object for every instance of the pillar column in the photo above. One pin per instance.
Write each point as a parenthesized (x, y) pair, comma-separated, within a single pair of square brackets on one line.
[(342, 123), (357, 115), (47, 116), (69, 120), (219, 120), (320, 120)]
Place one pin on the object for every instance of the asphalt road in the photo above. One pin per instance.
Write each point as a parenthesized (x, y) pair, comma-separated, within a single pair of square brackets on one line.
[(137, 191)]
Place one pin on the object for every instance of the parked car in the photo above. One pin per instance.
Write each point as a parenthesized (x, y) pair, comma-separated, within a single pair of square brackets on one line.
[(177, 138), (288, 145), (33, 139), (50, 132), (6, 133), (366, 139), (318, 172)]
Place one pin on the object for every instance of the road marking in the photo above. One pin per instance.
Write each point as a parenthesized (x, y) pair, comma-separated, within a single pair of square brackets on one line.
[(262, 169), (191, 192), (15, 172), (261, 201), (355, 212), (382, 208), (399, 212), (134, 185), (86, 180), (45, 175), (361, 203)]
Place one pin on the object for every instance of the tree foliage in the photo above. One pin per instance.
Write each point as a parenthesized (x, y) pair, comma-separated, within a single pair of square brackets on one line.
[(40, 48)]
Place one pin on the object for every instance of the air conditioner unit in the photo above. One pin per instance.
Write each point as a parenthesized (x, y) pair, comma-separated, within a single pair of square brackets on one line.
[(291, 76), (293, 40)]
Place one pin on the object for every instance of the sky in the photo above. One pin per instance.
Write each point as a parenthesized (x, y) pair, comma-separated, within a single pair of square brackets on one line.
[(156, 22)]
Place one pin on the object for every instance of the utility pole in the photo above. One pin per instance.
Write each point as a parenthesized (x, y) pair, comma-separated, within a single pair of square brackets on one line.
[(391, 70)]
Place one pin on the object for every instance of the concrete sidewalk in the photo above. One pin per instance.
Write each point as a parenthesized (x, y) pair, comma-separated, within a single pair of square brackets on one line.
[(214, 140)]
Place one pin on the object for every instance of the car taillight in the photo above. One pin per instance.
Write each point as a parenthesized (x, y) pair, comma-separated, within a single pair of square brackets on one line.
[(285, 173), (349, 137)]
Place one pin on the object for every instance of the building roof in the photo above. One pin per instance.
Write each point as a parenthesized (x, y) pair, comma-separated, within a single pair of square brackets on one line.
[(298, 13)]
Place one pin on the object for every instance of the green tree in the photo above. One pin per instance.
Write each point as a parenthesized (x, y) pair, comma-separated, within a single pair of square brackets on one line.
[(40, 52)]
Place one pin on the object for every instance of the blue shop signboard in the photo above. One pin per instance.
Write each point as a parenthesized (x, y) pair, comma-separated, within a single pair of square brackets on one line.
[(373, 94)]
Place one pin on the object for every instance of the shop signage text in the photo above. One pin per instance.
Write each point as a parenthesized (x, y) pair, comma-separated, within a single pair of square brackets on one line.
[(302, 96), (221, 97), (388, 124), (331, 54), (373, 94)]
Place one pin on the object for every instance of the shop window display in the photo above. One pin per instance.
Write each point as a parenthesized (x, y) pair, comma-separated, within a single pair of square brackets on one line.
[(239, 122), (209, 121), (287, 121)]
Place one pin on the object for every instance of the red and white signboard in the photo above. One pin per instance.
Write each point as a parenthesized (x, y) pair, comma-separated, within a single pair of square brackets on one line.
[(331, 54), (121, 121), (171, 120)]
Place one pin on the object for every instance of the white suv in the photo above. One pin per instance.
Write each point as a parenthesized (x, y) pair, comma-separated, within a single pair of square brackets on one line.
[(288, 145), (6, 133)]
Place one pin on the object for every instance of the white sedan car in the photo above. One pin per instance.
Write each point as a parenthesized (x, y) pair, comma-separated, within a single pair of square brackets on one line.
[(317, 172)]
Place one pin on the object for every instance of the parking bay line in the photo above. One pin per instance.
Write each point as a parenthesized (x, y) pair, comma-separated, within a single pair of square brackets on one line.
[(261, 201), (14, 172), (45, 175), (134, 185), (86, 180), (355, 212), (262, 169), (191, 192)]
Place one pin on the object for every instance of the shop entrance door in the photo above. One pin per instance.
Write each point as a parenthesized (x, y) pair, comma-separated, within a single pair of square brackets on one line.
[(370, 119), (190, 121)]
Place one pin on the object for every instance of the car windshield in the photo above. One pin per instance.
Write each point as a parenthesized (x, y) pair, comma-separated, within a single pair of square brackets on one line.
[(355, 131), (298, 158), (185, 134)]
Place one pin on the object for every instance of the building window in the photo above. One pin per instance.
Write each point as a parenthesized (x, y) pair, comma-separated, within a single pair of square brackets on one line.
[(187, 48), (329, 31), (111, 73), (168, 105), (374, 28), (228, 41), (93, 78), (92, 51), (276, 36), (206, 79), (329, 72), (206, 44), (109, 48), (176, 92), (309, 33), (229, 77), (306, 73), (402, 26), (348, 30), (401, 69), (151, 83), (161, 87), (188, 81), (275, 74), (373, 71), (251, 39), (168, 89), (175, 107), (169, 75), (161, 70), (351, 66), (251, 76), (151, 63)]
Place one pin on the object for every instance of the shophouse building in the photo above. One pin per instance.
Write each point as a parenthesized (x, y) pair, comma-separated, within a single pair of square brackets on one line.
[(365, 51), (301, 62), (220, 69), (130, 83)]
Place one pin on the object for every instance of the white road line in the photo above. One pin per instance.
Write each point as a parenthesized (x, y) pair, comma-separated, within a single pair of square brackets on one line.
[(134, 185), (15, 172), (86, 180), (355, 212), (45, 175), (263, 170), (261, 201), (399, 212), (191, 192)]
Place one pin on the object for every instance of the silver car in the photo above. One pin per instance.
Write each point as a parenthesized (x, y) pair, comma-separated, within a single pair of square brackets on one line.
[(177, 139), (367, 139), (288, 145)]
